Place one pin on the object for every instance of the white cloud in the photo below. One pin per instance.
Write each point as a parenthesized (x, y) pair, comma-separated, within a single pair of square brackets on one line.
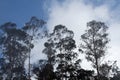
[(36, 53), (74, 14), (102, 13)]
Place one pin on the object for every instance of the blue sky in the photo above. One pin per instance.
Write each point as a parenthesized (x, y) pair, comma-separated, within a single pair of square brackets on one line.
[(20, 11), (72, 13)]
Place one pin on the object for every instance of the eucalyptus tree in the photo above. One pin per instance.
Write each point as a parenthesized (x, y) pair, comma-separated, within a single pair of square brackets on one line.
[(13, 43), (36, 29), (95, 40), (60, 52)]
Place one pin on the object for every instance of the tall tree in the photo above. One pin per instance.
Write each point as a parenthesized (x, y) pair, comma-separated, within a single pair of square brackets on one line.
[(60, 50), (95, 41), (36, 29), (13, 43)]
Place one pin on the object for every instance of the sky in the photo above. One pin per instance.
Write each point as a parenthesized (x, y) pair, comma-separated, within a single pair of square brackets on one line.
[(20, 11), (74, 14)]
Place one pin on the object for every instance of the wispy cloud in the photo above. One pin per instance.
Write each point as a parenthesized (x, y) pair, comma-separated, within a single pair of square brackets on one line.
[(74, 14)]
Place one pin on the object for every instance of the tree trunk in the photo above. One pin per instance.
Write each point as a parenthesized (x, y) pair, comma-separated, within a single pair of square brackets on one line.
[(97, 68)]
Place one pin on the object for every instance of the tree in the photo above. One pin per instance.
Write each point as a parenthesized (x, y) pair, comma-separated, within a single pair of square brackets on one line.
[(95, 41), (105, 69), (84, 74), (43, 70), (50, 52), (13, 44), (36, 29), (60, 51), (116, 77)]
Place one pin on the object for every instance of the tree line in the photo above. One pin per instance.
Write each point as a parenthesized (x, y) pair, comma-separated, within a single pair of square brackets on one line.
[(63, 62)]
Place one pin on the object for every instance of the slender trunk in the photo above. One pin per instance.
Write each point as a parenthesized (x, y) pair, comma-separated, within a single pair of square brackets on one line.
[(95, 55), (11, 67), (97, 68), (66, 76), (29, 67)]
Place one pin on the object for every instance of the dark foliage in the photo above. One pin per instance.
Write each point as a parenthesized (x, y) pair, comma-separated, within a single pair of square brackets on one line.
[(62, 61), (95, 41), (44, 71)]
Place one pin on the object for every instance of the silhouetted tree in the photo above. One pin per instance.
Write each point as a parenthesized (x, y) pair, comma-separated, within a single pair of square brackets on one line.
[(60, 51), (50, 52), (95, 40), (35, 28), (13, 43)]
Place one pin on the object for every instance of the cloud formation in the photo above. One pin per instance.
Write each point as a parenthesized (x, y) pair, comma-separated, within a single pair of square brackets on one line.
[(74, 14)]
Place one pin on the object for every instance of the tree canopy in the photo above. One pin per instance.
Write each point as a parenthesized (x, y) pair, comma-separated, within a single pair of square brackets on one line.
[(63, 61)]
